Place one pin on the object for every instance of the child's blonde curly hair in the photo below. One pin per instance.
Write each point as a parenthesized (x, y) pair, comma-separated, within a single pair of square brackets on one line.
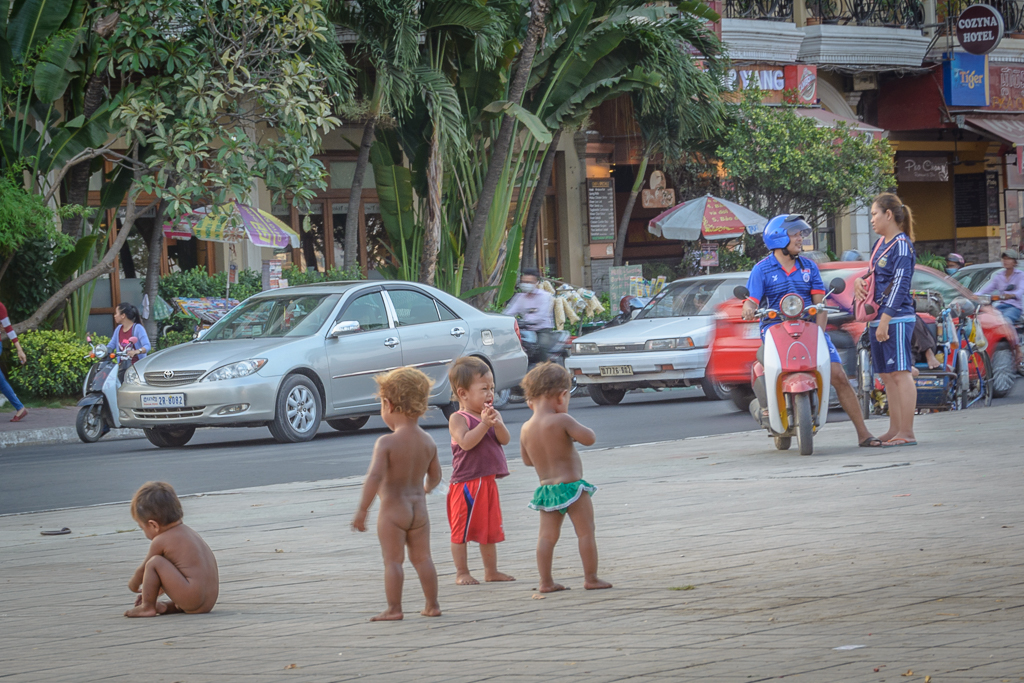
[(546, 379), (406, 389)]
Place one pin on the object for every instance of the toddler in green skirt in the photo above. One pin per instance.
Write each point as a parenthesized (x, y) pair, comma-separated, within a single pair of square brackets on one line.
[(547, 443)]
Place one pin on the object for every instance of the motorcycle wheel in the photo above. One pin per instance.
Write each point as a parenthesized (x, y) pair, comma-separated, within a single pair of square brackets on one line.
[(804, 423), (606, 397), (169, 437), (865, 380), (741, 397), (501, 399), (714, 391), (980, 373), (1004, 371), (783, 443), (89, 423), (963, 380)]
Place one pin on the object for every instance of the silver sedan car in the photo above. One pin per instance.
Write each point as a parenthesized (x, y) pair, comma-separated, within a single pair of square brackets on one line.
[(288, 358)]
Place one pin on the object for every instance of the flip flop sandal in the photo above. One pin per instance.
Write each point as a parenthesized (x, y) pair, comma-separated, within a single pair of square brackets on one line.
[(55, 532), (895, 443), (871, 442)]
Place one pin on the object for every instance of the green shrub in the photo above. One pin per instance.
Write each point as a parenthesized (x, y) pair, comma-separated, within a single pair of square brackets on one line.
[(173, 338), (57, 363), (927, 258), (294, 276), (195, 283)]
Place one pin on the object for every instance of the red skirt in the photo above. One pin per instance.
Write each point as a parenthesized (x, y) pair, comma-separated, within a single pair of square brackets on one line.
[(474, 511)]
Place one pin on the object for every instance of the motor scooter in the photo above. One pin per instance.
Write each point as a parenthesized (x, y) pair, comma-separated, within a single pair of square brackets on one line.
[(793, 372), (98, 408), (556, 351)]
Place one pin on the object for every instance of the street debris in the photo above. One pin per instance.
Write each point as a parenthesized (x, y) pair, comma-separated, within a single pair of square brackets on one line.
[(850, 647)]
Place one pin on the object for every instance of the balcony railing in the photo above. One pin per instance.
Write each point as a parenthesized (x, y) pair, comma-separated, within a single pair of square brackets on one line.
[(767, 10), (894, 13), (1012, 11)]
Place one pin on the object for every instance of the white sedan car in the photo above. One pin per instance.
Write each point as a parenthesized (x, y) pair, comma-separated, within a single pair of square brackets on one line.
[(665, 345)]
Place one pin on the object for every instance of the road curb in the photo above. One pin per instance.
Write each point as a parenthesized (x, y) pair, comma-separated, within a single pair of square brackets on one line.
[(37, 437)]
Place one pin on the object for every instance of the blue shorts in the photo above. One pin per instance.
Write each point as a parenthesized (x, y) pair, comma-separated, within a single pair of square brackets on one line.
[(894, 354), (833, 353)]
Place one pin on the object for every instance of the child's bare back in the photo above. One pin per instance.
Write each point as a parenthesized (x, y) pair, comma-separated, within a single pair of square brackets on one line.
[(547, 443), (403, 469), (179, 563)]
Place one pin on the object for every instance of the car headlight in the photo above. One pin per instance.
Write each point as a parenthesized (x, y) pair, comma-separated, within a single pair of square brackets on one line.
[(132, 377), (668, 344), (792, 305), (242, 368), (583, 348)]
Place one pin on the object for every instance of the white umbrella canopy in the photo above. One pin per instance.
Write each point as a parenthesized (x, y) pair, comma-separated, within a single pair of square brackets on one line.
[(708, 217)]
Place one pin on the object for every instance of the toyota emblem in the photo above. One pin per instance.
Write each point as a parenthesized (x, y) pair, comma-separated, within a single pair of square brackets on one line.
[(168, 374)]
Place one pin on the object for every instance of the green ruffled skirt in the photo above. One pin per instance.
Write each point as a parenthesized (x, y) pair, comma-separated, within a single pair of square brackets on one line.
[(558, 497)]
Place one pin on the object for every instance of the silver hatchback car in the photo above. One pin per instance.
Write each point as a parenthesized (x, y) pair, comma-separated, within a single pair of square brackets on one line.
[(288, 358)]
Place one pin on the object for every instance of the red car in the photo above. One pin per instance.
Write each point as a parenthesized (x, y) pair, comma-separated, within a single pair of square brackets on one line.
[(736, 341)]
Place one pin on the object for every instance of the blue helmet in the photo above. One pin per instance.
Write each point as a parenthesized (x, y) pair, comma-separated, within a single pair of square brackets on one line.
[(777, 232)]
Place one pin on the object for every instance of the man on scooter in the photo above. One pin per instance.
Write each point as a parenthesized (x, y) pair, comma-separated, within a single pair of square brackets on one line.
[(784, 271), (535, 308)]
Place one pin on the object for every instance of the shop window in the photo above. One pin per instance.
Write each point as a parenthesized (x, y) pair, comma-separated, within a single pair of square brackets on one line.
[(339, 214), (343, 172), (283, 213), (825, 236), (547, 242), (311, 238)]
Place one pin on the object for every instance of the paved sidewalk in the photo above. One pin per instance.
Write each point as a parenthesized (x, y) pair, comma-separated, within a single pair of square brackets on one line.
[(49, 425), (731, 562)]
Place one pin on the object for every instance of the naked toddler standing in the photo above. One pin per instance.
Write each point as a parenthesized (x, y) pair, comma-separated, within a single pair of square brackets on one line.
[(401, 462), (547, 444)]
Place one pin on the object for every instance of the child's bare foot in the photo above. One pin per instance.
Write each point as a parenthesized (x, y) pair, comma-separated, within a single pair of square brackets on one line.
[(498, 576), (465, 580), (431, 610), (551, 588), (596, 584), (142, 611), (388, 615)]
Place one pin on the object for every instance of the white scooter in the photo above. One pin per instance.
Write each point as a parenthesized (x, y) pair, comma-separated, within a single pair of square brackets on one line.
[(98, 413)]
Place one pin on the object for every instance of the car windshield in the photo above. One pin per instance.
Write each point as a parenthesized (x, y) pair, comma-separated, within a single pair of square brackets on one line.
[(923, 280), (298, 315), (693, 297)]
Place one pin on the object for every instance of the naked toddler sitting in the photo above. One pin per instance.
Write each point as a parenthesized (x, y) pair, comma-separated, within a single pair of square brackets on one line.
[(180, 564)]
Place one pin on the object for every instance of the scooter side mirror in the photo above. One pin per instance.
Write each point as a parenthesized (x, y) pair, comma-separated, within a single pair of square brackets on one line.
[(133, 339), (1010, 288), (741, 292), (837, 285)]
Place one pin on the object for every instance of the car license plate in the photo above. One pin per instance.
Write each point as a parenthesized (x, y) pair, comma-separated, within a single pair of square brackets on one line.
[(752, 331), (163, 400), (616, 370)]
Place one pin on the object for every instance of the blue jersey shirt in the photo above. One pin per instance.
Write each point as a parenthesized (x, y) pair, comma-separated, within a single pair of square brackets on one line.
[(769, 282), (893, 264)]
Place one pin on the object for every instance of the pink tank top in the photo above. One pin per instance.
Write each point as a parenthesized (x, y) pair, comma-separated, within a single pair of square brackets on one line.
[(483, 460)]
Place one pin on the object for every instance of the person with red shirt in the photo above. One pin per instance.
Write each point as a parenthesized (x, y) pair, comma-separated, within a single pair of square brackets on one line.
[(129, 324), (5, 387)]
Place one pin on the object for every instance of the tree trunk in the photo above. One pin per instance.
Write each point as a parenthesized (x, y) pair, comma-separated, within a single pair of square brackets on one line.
[(105, 265), (156, 257), (499, 151), (537, 203), (432, 233), (78, 176), (620, 238), (355, 198)]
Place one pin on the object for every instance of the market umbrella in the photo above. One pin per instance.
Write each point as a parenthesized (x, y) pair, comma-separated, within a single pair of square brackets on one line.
[(234, 222), (708, 217)]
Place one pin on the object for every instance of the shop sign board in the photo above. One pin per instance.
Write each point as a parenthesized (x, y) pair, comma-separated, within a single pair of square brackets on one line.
[(977, 199), (658, 196), (965, 79), (979, 28), (601, 209), (1006, 86), (922, 170), (709, 255), (773, 80)]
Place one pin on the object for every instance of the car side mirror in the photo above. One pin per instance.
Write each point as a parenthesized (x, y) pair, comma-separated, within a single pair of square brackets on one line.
[(741, 292), (342, 328), (837, 285), (202, 333), (633, 312)]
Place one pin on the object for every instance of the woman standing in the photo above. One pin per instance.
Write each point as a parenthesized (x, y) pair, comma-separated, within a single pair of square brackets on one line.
[(129, 324), (5, 388), (892, 263)]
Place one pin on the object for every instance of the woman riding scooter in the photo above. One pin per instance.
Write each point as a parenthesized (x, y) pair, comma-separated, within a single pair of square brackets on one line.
[(784, 271)]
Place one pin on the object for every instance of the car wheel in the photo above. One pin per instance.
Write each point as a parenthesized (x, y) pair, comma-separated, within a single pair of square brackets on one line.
[(741, 397), (297, 414), (169, 437), (1004, 370), (606, 397), (452, 407), (348, 424), (89, 423), (714, 391)]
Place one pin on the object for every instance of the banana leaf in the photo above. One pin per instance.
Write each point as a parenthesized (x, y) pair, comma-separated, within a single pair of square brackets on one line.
[(33, 21), (511, 272), (394, 189)]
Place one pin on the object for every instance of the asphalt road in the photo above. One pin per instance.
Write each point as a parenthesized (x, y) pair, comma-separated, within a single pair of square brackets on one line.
[(74, 474)]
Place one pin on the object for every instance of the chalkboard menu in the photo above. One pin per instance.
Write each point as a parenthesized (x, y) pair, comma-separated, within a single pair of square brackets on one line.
[(601, 209), (992, 197), (971, 194)]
